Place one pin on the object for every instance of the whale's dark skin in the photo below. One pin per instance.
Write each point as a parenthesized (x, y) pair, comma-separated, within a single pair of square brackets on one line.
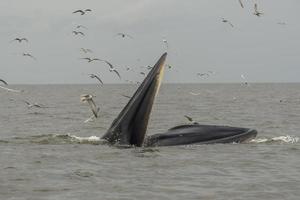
[(130, 127)]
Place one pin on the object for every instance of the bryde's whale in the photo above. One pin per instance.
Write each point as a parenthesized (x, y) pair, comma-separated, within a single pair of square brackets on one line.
[(130, 127)]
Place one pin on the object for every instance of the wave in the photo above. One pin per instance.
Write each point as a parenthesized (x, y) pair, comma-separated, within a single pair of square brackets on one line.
[(279, 139), (58, 139)]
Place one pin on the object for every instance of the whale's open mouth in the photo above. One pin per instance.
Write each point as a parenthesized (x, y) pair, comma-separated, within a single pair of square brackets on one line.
[(130, 127)]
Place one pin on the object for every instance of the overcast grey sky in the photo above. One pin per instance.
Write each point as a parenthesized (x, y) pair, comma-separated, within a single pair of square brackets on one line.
[(259, 48)]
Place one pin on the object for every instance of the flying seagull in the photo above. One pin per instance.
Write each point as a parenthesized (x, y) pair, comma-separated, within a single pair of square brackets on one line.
[(78, 32), (3, 81), (166, 43), (10, 90), (86, 50), (190, 119), (241, 3), (243, 77), (256, 12), (149, 67), (81, 26), (143, 73), (97, 77), (203, 74), (20, 40), (123, 35), (227, 21), (108, 63), (114, 70), (29, 55), (82, 12), (91, 59), (89, 99)]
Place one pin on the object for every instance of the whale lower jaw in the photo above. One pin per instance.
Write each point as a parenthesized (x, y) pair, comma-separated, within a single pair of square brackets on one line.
[(201, 134)]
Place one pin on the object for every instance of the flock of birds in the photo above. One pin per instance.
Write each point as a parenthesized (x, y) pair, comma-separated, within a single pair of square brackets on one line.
[(87, 98)]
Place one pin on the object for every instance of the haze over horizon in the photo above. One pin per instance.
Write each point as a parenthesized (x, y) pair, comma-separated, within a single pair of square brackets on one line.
[(257, 47)]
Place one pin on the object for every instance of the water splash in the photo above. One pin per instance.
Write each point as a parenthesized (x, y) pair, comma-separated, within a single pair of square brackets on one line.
[(279, 139), (58, 139)]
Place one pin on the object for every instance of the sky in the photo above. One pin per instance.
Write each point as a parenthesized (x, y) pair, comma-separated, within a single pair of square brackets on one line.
[(259, 48)]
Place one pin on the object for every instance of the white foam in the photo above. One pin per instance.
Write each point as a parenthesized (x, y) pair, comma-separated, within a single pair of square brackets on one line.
[(86, 139), (284, 139)]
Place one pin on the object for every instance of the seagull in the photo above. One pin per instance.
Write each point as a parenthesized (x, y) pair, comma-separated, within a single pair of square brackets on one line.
[(20, 40), (114, 70), (78, 32), (89, 99), (169, 66), (29, 55), (86, 50), (227, 21), (82, 12), (149, 67), (31, 105), (123, 35), (10, 90), (81, 26), (97, 77), (143, 73), (243, 77), (128, 68), (190, 119), (109, 64), (203, 74), (91, 59), (166, 43), (256, 12), (3, 81), (241, 3)]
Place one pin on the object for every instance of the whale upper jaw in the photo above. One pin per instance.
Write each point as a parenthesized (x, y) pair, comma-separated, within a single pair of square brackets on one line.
[(130, 127)]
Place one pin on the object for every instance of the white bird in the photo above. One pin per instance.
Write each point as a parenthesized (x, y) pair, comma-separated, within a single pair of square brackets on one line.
[(91, 59), (256, 12), (82, 12), (123, 35), (89, 99), (97, 77), (241, 3), (20, 40), (78, 32), (203, 74), (227, 21), (243, 77), (3, 81), (86, 50), (81, 26), (114, 70), (29, 55), (166, 43), (190, 119)]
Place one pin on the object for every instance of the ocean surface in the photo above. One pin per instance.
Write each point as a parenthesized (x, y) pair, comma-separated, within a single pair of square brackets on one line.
[(50, 153)]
